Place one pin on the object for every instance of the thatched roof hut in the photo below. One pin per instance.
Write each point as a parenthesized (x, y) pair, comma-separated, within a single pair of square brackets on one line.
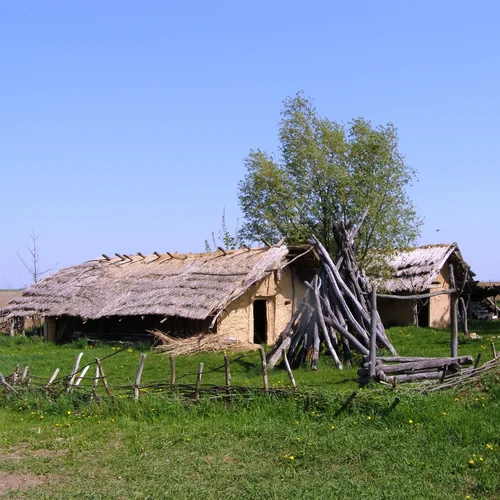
[(420, 270), (198, 287)]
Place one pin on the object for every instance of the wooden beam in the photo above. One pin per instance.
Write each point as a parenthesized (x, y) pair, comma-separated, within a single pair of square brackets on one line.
[(106, 257), (140, 255), (268, 245), (222, 250), (157, 254), (119, 256), (178, 257), (416, 297)]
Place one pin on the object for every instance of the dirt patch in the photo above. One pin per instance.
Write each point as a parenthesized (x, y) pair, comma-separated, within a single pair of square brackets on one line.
[(17, 481), (22, 451)]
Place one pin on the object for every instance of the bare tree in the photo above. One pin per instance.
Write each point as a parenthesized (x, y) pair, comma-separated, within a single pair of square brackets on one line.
[(32, 263), (33, 266)]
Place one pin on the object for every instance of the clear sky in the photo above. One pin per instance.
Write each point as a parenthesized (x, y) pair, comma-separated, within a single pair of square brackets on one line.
[(124, 124)]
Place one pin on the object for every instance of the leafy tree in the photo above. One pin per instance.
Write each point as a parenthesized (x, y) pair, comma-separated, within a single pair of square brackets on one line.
[(328, 171)]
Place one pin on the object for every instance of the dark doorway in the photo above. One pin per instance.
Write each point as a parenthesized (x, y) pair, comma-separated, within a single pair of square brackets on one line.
[(260, 321), (423, 315)]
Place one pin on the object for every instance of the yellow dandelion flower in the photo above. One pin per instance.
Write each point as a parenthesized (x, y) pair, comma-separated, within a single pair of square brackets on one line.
[(68, 412), (292, 457), (489, 446), (369, 417), (410, 421), (333, 427)]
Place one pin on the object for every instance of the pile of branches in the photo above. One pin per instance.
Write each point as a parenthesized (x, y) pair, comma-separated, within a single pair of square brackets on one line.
[(197, 343), (336, 313), (399, 369), (468, 376)]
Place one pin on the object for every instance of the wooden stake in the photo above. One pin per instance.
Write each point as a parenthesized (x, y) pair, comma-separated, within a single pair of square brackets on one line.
[(228, 373), (104, 380), (289, 370), (264, 368), (172, 371), (464, 313), (198, 382), (373, 331), (347, 402), (96, 380), (493, 350), (445, 370), (453, 312), (72, 375), (23, 376), (326, 333), (138, 376), (476, 364), (54, 375), (80, 378), (6, 384)]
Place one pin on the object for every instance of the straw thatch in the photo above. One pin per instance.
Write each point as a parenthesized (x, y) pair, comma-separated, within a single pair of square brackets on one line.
[(193, 286), (415, 270)]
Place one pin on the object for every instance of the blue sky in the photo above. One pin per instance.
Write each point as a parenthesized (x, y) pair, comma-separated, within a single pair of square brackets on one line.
[(124, 125)]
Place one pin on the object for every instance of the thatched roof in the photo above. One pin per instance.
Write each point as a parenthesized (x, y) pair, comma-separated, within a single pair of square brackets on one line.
[(192, 286), (415, 270)]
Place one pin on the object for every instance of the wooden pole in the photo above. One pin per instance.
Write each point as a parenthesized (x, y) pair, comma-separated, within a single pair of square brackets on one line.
[(264, 368), (494, 350), (104, 380), (96, 380), (464, 313), (228, 372), (453, 312), (289, 371), (138, 376), (324, 329), (198, 382), (72, 375), (476, 364), (373, 331), (172, 371), (23, 376), (51, 379), (80, 378)]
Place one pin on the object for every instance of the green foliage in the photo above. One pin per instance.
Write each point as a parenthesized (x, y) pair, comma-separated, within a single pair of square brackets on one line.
[(329, 172)]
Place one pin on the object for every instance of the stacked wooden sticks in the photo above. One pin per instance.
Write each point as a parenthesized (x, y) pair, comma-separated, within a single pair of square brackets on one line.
[(335, 312)]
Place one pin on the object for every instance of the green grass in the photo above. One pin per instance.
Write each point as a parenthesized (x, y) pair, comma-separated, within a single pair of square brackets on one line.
[(384, 445)]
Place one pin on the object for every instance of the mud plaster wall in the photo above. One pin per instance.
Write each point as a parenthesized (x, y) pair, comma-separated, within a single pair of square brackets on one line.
[(278, 289), (440, 306)]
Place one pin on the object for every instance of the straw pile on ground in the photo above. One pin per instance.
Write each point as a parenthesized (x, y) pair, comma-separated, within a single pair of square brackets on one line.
[(203, 342)]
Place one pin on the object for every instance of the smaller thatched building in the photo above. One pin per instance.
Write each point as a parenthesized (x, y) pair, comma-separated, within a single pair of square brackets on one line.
[(419, 271), (247, 295)]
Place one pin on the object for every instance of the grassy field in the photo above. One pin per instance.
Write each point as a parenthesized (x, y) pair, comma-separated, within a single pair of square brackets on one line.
[(386, 444)]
